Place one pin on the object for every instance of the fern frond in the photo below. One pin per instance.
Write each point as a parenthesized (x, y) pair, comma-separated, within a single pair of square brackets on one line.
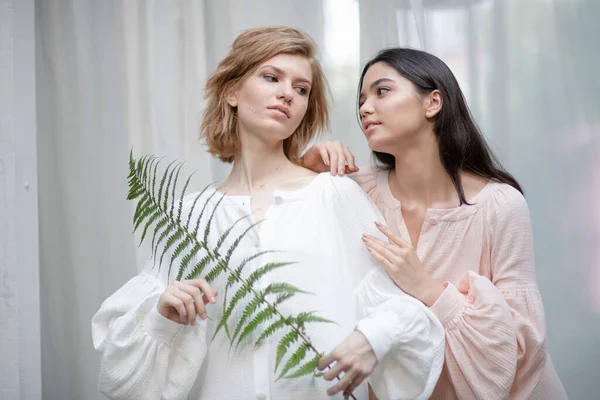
[(147, 212), (306, 369), (199, 267), (153, 185), (164, 221), (304, 318), (163, 180), (237, 273), (195, 233), (161, 209), (171, 241), (283, 345), (174, 188), (187, 224), (216, 271), (182, 196), (271, 329), (251, 307), (150, 221), (265, 269), (166, 199), (239, 295), (187, 259), (260, 318), (209, 223), (226, 233), (142, 205), (237, 241), (183, 244), (295, 359)]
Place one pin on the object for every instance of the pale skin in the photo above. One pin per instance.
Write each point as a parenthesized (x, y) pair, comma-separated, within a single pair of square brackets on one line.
[(398, 120), (271, 103)]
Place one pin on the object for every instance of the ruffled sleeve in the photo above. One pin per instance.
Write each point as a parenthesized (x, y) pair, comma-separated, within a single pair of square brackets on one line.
[(144, 355), (495, 330)]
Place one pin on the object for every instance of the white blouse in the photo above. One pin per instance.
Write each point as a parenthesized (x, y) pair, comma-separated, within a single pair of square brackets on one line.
[(146, 356)]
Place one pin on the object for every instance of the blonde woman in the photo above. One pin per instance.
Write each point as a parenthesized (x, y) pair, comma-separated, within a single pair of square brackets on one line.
[(266, 101)]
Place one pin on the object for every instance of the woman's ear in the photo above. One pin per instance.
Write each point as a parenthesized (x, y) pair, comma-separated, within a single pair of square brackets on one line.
[(231, 97), (433, 104)]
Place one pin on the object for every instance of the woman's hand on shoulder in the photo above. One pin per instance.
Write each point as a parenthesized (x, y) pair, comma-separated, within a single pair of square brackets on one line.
[(330, 156)]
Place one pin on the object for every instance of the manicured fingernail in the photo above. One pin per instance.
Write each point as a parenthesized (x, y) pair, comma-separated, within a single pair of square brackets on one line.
[(212, 300), (377, 224), (203, 316)]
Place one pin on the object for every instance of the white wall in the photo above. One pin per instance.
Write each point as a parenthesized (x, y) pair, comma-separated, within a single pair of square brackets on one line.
[(20, 372)]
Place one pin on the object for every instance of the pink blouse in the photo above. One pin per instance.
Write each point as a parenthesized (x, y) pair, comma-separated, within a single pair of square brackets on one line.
[(491, 309)]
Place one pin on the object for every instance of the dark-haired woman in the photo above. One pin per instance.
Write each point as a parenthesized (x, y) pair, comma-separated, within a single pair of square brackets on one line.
[(458, 226)]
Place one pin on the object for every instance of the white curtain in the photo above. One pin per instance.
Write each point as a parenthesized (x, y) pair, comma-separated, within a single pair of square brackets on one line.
[(116, 75)]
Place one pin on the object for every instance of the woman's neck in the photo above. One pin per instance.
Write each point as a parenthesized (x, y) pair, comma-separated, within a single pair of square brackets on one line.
[(419, 178), (259, 164)]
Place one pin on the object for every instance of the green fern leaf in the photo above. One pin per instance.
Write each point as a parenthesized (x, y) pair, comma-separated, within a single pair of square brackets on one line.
[(271, 329), (306, 369), (306, 317), (146, 213), (216, 271), (173, 189), (168, 187), (163, 236), (171, 241), (187, 259), (154, 174), (164, 221), (187, 182), (285, 342), (242, 291), (285, 288), (186, 242), (226, 233), (260, 318), (150, 221), (260, 272), (295, 359), (237, 273), (195, 234), (191, 212), (237, 241), (251, 307), (281, 298), (163, 180), (142, 204), (209, 223), (199, 267)]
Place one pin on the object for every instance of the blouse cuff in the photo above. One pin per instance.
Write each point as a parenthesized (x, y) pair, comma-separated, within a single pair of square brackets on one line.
[(160, 327), (448, 305), (377, 330)]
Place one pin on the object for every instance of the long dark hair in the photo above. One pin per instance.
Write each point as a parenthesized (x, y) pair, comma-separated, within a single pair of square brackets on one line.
[(462, 146)]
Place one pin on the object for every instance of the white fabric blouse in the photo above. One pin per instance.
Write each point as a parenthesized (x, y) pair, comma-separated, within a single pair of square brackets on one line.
[(146, 356)]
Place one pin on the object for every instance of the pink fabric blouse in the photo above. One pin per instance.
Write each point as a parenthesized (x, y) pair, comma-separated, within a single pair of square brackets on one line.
[(491, 308)]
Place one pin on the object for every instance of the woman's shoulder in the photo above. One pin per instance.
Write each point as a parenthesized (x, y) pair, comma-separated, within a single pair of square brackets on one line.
[(504, 202)]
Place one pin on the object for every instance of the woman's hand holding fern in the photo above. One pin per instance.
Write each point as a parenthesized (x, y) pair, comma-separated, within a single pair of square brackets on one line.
[(355, 358), (182, 301)]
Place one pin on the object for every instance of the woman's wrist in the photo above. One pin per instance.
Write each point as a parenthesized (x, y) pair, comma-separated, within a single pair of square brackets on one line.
[(431, 291)]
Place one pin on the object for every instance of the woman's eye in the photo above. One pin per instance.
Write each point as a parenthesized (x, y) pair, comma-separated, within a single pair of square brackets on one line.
[(270, 78), (302, 91), (382, 90)]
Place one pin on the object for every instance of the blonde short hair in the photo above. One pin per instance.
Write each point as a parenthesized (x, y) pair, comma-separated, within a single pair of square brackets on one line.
[(250, 49)]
